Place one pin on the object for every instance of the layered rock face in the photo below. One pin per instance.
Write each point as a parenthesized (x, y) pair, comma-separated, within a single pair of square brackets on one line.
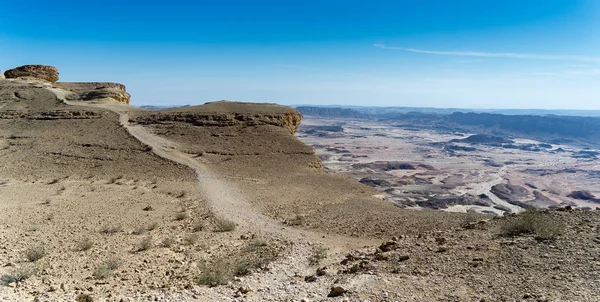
[(226, 114), (43, 72), (94, 91)]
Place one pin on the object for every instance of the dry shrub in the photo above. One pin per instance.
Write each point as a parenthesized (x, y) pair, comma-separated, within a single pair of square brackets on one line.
[(541, 224), (168, 241), (111, 229), (152, 226), (84, 245), (214, 274), (35, 253), (107, 269), (18, 274), (224, 225), (317, 255), (181, 216), (190, 239), (146, 244)]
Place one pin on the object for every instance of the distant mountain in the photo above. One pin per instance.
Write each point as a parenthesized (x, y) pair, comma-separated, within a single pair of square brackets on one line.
[(331, 112), (374, 111), (152, 107)]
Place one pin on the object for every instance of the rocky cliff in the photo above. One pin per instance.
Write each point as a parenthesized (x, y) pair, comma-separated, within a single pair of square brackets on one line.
[(225, 113), (94, 91)]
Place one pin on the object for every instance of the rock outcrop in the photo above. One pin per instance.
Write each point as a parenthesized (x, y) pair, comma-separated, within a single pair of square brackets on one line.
[(96, 91), (43, 72), (225, 113)]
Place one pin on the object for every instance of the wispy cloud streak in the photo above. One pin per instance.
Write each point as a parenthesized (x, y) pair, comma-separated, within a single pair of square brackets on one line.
[(508, 55)]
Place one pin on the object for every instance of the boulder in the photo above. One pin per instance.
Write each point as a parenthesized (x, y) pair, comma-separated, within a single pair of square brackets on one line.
[(43, 72)]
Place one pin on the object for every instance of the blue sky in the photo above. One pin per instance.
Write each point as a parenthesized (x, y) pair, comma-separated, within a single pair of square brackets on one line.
[(460, 53)]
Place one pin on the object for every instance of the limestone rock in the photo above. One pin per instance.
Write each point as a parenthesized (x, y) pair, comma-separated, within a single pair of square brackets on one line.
[(47, 73), (96, 91), (225, 114)]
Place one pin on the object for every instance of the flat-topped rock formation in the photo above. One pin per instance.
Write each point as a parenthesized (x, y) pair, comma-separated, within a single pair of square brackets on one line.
[(226, 113), (43, 72)]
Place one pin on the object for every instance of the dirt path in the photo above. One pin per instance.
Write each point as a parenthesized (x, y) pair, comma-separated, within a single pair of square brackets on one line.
[(227, 201)]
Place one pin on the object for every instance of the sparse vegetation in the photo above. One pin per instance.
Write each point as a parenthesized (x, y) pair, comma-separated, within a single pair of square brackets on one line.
[(84, 244), (35, 253), (190, 239), (224, 225), (102, 272), (254, 245), (198, 226), (152, 226), (535, 222), (317, 255), (215, 274), (181, 216), (146, 244), (244, 268), (18, 274), (33, 228), (113, 180), (168, 241), (111, 229), (297, 220), (107, 269), (139, 230)]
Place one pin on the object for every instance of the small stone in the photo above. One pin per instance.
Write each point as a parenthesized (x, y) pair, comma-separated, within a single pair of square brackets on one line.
[(322, 271), (244, 290), (440, 240), (84, 298), (336, 291), (442, 249), (388, 246), (311, 278), (403, 258)]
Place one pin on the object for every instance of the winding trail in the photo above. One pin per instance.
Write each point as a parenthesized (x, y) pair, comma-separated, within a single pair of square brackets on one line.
[(227, 201)]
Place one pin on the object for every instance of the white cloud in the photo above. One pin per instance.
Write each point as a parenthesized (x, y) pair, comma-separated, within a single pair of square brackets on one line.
[(508, 55)]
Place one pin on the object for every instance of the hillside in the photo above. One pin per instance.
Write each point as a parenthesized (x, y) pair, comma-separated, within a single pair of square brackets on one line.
[(221, 202)]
